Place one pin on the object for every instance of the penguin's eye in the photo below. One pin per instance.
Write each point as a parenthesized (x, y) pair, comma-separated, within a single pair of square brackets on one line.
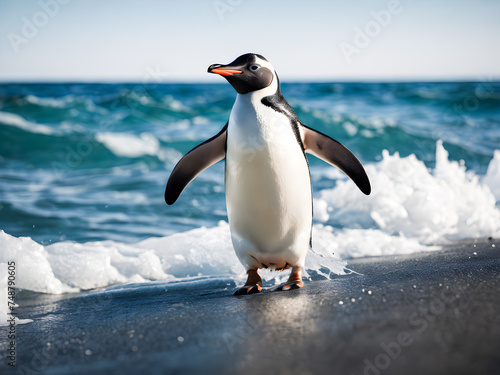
[(254, 67)]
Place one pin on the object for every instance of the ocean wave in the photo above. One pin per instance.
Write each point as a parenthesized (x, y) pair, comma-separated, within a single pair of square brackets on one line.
[(137, 146), (11, 119), (445, 203), (50, 102), (492, 177), (70, 104), (360, 243), (129, 145)]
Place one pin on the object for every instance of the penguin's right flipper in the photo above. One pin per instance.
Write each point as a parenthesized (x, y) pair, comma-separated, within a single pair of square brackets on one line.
[(335, 153), (194, 162)]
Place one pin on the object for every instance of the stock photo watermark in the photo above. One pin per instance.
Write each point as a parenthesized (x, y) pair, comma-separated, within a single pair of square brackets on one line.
[(461, 110), (224, 6), (472, 102), (11, 306), (363, 36), (37, 359), (419, 321), (31, 26)]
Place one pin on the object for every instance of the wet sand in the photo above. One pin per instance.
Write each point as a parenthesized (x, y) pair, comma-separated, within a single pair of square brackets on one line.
[(428, 313)]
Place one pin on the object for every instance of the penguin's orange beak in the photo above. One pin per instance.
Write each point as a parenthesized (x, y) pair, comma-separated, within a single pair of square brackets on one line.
[(226, 72), (220, 69)]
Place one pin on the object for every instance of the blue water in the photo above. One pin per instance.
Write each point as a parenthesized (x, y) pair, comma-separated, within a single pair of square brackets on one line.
[(59, 182)]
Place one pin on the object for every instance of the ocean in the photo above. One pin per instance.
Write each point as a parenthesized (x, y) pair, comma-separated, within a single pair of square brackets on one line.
[(83, 169)]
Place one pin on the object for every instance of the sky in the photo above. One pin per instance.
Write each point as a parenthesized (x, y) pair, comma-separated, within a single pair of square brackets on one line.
[(175, 41)]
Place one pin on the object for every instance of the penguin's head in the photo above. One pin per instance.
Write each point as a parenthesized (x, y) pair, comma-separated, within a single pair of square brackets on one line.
[(249, 72)]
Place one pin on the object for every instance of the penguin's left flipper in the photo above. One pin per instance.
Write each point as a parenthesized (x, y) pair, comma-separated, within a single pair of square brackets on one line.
[(333, 152), (194, 162)]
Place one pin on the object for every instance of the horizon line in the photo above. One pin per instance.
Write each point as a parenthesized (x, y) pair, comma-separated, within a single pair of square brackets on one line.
[(282, 80)]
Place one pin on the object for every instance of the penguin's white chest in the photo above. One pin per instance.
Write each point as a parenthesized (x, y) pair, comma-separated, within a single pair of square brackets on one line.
[(268, 188)]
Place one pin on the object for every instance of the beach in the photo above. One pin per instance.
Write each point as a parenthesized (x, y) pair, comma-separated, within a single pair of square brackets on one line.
[(434, 313)]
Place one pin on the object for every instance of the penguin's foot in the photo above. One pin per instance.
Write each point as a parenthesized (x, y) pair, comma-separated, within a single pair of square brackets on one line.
[(294, 281), (290, 286), (243, 291), (253, 284)]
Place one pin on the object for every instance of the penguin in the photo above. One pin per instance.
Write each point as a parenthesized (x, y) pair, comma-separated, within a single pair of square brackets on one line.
[(267, 178)]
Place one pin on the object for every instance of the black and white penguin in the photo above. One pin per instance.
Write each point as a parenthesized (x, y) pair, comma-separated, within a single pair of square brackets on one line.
[(267, 179)]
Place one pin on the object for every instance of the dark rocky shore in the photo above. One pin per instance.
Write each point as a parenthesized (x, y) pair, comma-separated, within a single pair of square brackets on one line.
[(428, 313)]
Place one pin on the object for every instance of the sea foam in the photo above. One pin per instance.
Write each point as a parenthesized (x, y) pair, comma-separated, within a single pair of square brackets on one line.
[(431, 206), (70, 267), (129, 145), (492, 178), (12, 119), (49, 102)]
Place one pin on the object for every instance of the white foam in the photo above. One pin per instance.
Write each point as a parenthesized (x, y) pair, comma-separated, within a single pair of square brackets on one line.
[(33, 269), (11, 119), (70, 267), (32, 264), (129, 145), (175, 104), (357, 243), (409, 200), (492, 178), (48, 102)]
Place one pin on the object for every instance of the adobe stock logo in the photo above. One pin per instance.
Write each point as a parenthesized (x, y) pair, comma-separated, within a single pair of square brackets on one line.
[(224, 6), (420, 320), (32, 25), (363, 37)]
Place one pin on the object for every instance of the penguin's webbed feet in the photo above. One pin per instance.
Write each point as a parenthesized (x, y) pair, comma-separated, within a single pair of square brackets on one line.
[(290, 286), (251, 289), (252, 286), (294, 281)]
